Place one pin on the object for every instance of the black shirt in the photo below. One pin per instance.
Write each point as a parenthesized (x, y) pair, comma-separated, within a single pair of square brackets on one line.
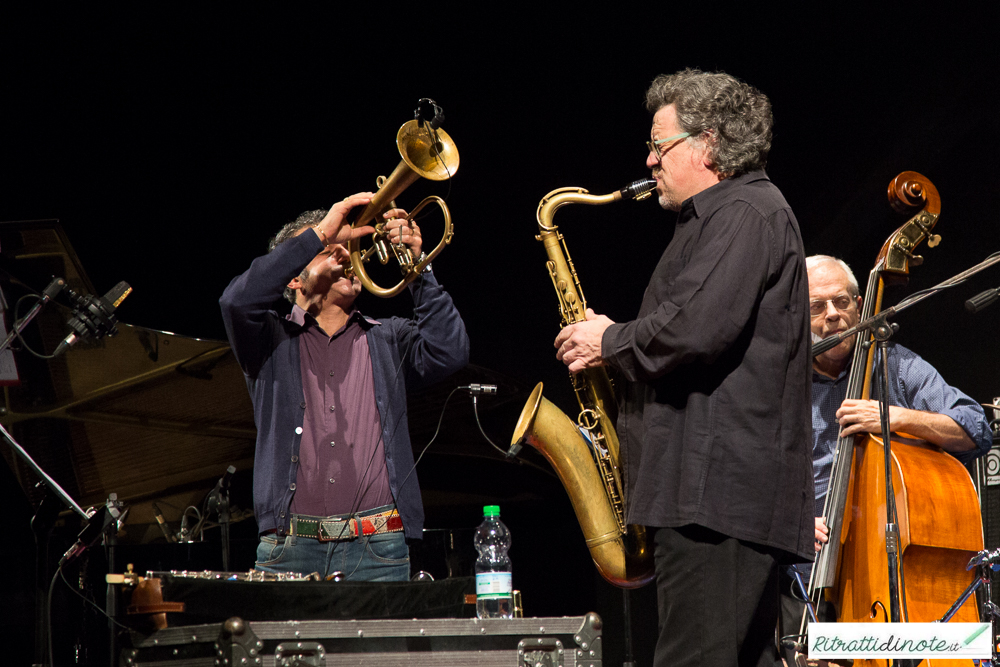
[(714, 421)]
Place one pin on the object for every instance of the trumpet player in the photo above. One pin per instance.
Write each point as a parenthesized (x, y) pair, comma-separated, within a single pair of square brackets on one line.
[(334, 485), (714, 408)]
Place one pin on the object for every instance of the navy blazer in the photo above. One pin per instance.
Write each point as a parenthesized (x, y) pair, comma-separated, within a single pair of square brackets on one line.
[(405, 353)]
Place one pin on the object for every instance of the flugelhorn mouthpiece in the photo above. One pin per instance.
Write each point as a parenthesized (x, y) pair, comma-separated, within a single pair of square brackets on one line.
[(638, 190)]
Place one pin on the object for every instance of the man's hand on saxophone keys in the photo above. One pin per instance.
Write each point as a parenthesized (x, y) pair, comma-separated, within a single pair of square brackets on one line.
[(579, 345)]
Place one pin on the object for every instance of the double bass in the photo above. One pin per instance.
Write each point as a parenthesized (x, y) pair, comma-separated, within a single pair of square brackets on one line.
[(940, 527)]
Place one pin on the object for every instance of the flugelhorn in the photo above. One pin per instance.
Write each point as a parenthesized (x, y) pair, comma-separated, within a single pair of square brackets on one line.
[(426, 152)]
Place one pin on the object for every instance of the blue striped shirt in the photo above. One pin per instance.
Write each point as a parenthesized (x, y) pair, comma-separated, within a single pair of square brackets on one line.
[(913, 384)]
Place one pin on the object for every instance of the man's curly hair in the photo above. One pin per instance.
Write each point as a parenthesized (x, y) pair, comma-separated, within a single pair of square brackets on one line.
[(737, 116), (307, 219)]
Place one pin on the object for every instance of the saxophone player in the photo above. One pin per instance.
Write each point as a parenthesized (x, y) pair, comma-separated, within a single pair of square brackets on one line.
[(714, 417)]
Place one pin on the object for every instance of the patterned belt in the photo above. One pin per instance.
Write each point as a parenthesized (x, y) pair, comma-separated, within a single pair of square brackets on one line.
[(329, 530)]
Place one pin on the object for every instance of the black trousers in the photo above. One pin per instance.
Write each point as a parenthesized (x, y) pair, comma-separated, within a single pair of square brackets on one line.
[(717, 598)]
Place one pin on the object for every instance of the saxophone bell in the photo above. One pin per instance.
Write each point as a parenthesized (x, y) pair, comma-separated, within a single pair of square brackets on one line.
[(620, 553)]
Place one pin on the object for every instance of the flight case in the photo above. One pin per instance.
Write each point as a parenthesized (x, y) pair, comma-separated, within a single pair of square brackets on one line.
[(571, 641)]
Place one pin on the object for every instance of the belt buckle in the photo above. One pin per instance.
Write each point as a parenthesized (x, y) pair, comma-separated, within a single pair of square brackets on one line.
[(353, 530), (324, 534)]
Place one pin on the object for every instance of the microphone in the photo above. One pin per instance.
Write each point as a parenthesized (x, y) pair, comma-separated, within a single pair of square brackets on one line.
[(222, 486), (480, 389), (93, 317), (112, 513), (158, 515), (185, 533), (982, 300), (429, 112), (514, 450), (52, 290), (218, 499), (226, 479)]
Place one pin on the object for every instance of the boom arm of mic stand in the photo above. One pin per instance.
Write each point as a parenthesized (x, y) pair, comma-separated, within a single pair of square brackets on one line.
[(51, 483), (94, 525), (57, 285), (870, 324), (833, 341)]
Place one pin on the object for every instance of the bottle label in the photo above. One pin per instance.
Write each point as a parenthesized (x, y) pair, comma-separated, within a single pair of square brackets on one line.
[(493, 585)]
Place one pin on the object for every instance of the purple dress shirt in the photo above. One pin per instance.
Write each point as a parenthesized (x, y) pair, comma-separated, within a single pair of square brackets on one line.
[(342, 465)]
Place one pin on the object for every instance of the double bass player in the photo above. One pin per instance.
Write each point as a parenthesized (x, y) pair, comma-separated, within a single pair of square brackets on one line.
[(922, 404)]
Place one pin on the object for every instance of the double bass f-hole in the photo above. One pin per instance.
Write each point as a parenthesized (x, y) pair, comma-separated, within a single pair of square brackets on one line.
[(875, 608)]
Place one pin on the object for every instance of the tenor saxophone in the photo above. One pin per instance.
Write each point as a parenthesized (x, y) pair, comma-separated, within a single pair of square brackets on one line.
[(585, 453)]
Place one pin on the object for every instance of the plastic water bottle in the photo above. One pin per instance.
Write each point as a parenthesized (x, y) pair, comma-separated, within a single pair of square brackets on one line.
[(494, 592)]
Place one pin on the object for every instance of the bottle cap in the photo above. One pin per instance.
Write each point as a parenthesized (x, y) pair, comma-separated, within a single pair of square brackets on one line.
[(491, 510)]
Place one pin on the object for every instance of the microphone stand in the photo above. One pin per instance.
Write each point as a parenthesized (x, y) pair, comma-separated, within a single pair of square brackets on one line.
[(218, 501), (986, 561), (881, 331), (98, 521), (51, 291), (96, 524)]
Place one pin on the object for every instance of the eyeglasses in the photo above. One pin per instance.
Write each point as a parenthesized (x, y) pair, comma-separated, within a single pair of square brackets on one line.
[(654, 145), (842, 303)]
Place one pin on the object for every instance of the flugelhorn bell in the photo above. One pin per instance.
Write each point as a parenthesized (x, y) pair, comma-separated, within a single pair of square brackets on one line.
[(426, 153)]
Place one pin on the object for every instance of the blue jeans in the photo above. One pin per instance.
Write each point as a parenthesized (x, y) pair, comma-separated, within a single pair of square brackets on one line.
[(376, 557)]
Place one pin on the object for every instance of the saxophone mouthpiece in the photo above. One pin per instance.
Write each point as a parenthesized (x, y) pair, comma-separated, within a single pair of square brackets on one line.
[(639, 190)]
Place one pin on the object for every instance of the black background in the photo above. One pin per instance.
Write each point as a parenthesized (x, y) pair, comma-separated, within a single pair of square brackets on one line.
[(171, 143)]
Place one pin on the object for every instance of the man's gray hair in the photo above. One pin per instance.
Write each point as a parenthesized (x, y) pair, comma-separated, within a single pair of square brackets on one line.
[(306, 219), (852, 282), (736, 116)]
